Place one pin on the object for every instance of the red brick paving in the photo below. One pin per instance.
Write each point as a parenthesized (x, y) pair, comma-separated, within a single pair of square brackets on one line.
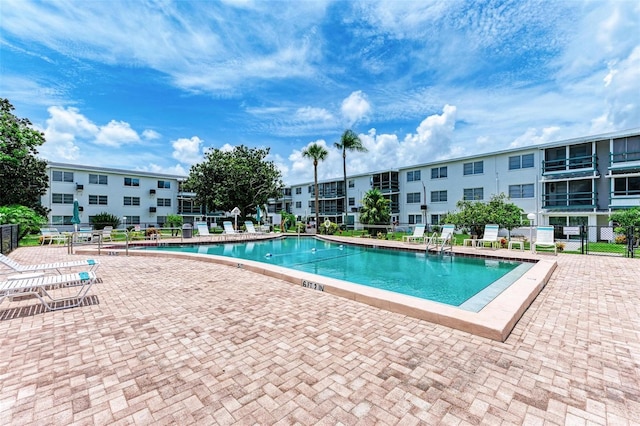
[(182, 342)]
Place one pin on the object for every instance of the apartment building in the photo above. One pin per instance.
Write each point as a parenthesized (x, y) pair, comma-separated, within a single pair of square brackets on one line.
[(143, 198), (564, 183)]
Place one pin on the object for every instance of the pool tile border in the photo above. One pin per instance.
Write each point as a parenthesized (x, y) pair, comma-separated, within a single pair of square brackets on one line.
[(495, 321)]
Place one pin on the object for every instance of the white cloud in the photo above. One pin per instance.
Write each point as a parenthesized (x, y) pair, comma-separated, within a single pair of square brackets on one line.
[(313, 114), (188, 151), (431, 141), (177, 169), (622, 95), (534, 137), (69, 120), (116, 133), (355, 107), (150, 135)]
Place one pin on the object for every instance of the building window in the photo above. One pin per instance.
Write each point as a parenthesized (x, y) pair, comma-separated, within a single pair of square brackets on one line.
[(131, 181), (571, 193), (298, 204), (438, 196), (352, 183), (436, 218), (475, 168), (439, 172), (131, 201), (415, 218), (61, 220), (555, 159), (413, 176), (473, 194), (98, 200), (413, 197), (59, 176), (164, 184), (626, 149), (133, 220), (521, 191), (164, 202), (98, 179), (626, 186), (62, 198), (298, 191), (521, 162), (352, 201)]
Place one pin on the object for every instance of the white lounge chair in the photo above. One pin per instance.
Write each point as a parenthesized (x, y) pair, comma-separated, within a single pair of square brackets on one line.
[(41, 287), (251, 229), (106, 233), (89, 264), (203, 230), (545, 239), (51, 235), (418, 235), (445, 237), (84, 234), (490, 236), (229, 230)]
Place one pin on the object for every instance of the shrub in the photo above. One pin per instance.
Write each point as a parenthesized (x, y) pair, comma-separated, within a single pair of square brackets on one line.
[(103, 219), (27, 219), (329, 230), (621, 239)]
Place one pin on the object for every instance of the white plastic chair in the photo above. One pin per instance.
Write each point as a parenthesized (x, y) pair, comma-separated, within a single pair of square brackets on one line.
[(418, 235), (545, 239), (490, 236)]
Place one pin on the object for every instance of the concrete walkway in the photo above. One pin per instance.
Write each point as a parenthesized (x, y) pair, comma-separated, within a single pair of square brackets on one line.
[(182, 342)]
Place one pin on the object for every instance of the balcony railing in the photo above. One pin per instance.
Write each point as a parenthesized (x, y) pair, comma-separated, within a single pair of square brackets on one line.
[(569, 200), (624, 160), (569, 164)]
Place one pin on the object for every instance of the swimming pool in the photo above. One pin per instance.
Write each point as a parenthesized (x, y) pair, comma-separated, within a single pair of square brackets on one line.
[(464, 282)]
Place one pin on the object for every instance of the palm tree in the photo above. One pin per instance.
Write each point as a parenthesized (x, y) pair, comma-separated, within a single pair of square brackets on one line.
[(317, 153), (375, 209), (349, 141)]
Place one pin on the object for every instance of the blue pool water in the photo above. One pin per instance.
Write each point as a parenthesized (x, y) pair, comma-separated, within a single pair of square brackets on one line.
[(453, 280)]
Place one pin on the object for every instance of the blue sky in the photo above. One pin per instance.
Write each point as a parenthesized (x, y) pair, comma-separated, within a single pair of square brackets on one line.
[(151, 85)]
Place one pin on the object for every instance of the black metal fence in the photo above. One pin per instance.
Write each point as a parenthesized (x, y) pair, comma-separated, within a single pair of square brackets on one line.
[(8, 238), (606, 240)]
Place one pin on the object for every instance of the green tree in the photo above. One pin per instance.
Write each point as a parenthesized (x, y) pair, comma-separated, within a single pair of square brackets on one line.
[(287, 220), (624, 220), (240, 178), (28, 220), (476, 214), (627, 217), (173, 221), (23, 177), (349, 141), (375, 208), (316, 153)]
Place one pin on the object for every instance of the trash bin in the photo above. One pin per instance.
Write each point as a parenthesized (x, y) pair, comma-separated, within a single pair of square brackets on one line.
[(187, 230)]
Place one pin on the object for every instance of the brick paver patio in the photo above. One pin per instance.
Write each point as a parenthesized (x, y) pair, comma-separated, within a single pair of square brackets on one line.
[(182, 342)]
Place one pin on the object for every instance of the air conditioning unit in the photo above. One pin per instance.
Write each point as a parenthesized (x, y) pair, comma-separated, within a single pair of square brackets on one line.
[(80, 208), (423, 207), (79, 187), (152, 209), (152, 191)]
